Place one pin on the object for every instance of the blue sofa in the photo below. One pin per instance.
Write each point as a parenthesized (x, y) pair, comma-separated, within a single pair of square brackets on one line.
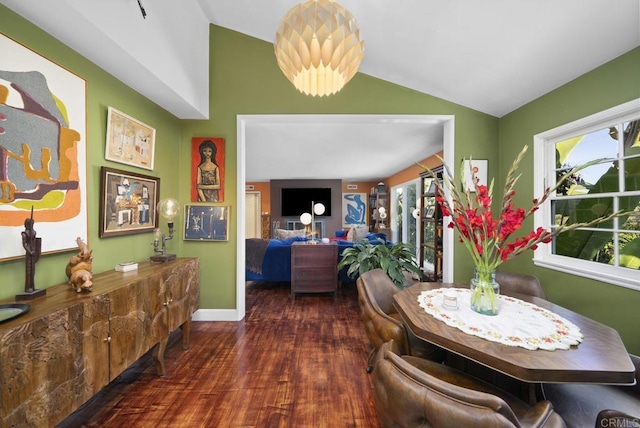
[(276, 263)]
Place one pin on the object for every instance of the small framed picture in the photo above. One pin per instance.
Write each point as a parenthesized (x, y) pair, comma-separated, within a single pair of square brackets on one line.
[(129, 141), (128, 203), (432, 187), (429, 211), (206, 223), (475, 168)]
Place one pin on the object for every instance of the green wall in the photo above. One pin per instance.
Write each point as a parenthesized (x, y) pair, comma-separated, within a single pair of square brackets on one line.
[(612, 84), (103, 90), (246, 80)]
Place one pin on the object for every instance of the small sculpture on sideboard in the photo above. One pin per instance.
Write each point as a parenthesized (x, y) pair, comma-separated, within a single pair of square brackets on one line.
[(79, 268), (33, 248)]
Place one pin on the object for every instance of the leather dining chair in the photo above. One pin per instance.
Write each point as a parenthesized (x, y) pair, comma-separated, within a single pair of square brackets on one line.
[(520, 283), (414, 392), (381, 320), (587, 405)]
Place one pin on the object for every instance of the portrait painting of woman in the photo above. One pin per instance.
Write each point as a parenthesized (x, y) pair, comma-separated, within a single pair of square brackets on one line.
[(207, 169)]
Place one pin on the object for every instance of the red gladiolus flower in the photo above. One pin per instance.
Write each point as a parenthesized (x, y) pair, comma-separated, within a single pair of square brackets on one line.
[(488, 236)]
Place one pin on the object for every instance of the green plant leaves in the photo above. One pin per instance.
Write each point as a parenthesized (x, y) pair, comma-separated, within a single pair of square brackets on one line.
[(394, 260)]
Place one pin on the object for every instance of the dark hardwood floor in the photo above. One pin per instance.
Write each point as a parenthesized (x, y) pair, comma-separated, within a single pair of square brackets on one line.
[(289, 363)]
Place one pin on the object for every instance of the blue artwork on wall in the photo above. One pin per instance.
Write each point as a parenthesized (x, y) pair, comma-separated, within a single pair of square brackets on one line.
[(354, 209)]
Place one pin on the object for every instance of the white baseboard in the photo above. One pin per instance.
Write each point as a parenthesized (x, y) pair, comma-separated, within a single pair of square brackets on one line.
[(215, 315)]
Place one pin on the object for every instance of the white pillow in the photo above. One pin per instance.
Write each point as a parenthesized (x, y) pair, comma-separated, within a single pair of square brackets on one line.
[(349, 236), (360, 232), (357, 233), (286, 234)]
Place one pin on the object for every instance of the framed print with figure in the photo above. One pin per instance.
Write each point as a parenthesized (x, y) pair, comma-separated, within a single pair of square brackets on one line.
[(206, 223), (354, 209), (128, 203), (207, 169), (129, 141)]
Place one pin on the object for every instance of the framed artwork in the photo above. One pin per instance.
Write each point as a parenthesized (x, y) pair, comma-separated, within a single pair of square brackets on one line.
[(129, 141), (429, 211), (206, 223), (354, 209), (207, 169), (479, 169), (128, 203), (43, 147), (433, 189)]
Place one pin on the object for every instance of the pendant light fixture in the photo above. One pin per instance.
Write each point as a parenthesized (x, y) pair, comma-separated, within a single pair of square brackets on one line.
[(318, 47)]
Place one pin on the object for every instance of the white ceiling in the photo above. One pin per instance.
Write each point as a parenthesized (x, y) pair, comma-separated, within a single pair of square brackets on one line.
[(489, 55), (295, 147)]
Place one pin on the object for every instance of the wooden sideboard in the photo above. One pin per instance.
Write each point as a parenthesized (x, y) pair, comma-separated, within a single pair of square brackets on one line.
[(70, 345)]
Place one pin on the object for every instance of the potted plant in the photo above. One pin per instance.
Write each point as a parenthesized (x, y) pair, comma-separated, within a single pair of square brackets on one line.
[(394, 260)]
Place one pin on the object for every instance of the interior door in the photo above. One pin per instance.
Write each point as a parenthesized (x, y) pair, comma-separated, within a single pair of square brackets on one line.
[(253, 222)]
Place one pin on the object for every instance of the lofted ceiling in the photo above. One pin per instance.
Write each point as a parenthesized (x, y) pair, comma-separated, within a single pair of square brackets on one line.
[(489, 55)]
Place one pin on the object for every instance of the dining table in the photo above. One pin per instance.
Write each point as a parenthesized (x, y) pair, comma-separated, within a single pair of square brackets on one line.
[(600, 356)]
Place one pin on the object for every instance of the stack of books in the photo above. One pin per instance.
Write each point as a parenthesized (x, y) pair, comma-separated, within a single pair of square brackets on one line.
[(126, 266)]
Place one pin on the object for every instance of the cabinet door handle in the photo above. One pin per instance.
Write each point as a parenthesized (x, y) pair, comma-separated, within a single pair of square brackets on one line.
[(108, 339)]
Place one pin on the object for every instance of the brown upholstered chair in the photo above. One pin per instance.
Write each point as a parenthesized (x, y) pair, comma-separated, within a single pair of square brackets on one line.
[(413, 392), (520, 283), (587, 405), (381, 320)]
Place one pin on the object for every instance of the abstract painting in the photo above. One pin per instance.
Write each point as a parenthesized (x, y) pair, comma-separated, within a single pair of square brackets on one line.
[(206, 223), (129, 141), (42, 151), (128, 203)]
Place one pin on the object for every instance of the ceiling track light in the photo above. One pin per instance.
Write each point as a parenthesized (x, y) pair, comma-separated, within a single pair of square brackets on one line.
[(144, 13)]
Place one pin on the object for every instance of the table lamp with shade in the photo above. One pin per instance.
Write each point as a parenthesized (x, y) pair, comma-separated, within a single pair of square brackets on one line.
[(169, 209)]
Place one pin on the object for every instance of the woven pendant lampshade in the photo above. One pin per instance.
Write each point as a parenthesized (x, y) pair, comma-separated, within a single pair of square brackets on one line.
[(318, 47)]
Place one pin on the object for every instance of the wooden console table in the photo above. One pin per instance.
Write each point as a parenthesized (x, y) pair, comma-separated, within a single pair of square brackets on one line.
[(314, 268), (70, 345)]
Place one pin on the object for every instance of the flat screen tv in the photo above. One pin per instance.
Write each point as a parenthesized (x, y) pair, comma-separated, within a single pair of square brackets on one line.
[(297, 200)]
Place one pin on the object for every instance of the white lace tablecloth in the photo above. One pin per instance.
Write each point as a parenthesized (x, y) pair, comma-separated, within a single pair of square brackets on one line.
[(518, 323)]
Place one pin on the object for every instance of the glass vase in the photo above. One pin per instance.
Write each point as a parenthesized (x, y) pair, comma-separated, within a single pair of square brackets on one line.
[(485, 292)]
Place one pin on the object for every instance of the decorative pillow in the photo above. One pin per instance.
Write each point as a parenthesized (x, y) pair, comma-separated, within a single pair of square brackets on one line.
[(357, 233), (285, 234), (350, 235), (341, 233)]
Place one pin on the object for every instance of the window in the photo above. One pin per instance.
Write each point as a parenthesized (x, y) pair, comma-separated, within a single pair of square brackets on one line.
[(609, 251)]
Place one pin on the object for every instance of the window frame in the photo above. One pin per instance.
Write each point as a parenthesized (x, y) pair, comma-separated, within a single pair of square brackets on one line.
[(544, 172), (407, 216)]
